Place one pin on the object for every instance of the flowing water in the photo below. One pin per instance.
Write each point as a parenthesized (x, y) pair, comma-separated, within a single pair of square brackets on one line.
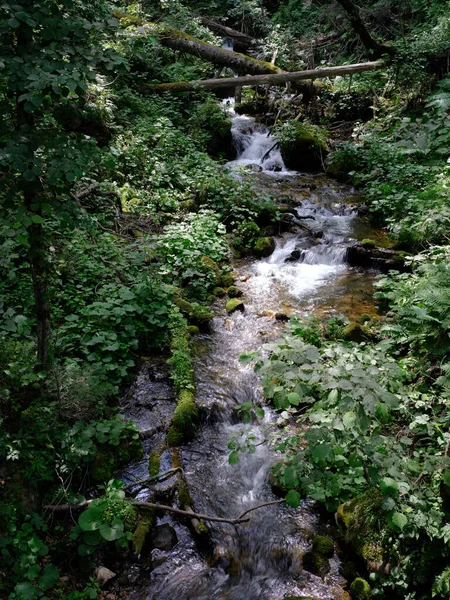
[(260, 560)]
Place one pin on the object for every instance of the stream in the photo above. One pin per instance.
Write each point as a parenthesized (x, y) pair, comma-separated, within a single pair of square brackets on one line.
[(306, 274)]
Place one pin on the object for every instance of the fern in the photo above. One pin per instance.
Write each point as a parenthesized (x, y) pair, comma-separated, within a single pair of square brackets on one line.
[(441, 585)]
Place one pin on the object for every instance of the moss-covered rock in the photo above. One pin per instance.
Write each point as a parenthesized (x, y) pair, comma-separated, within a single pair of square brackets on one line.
[(210, 265), (360, 589), (154, 463), (303, 146), (184, 497), (141, 532), (184, 420), (316, 564), (264, 246), (185, 307), (355, 332), (227, 280), (234, 292), (233, 305), (193, 330), (220, 292), (368, 243), (323, 545), (355, 519)]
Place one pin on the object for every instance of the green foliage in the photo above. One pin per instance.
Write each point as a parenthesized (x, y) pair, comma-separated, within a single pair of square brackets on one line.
[(365, 422), (183, 246), (109, 518)]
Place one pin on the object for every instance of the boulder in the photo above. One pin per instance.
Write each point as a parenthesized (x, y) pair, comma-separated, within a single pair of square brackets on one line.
[(234, 292), (303, 147), (164, 537), (316, 564), (254, 168), (360, 589), (294, 256), (264, 246), (372, 257), (234, 305), (355, 332), (323, 545)]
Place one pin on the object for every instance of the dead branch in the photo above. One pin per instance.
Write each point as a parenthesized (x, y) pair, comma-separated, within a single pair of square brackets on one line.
[(177, 511)]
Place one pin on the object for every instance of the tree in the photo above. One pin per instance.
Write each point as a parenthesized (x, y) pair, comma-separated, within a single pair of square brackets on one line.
[(51, 51)]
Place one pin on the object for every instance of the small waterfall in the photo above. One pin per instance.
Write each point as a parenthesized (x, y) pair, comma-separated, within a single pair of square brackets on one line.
[(254, 144)]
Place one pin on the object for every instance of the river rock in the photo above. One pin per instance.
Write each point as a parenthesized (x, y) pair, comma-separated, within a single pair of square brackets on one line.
[(234, 292), (316, 564), (305, 149), (372, 257), (103, 575), (254, 168), (323, 545), (281, 316), (264, 246), (355, 332), (234, 305), (294, 256), (360, 589), (164, 537)]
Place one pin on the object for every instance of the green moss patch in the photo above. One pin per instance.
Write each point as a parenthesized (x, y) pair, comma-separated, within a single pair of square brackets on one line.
[(184, 420), (323, 545), (234, 305)]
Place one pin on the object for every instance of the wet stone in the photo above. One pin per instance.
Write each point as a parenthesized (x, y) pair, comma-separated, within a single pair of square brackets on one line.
[(164, 537)]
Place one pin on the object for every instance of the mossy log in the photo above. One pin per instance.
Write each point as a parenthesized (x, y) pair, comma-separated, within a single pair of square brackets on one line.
[(179, 40), (242, 41), (276, 78)]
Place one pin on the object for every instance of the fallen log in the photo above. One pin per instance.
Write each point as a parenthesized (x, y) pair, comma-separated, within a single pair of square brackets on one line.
[(275, 79), (178, 40), (242, 41)]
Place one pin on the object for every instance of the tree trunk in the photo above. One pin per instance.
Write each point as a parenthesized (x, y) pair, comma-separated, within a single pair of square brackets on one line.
[(242, 41), (178, 40), (37, 253), (227, 82), (373, 46)]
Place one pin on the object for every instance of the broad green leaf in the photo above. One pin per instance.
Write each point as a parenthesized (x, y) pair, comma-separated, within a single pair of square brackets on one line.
[(233, 457), (389, 486), (112, 532), (90, 519), (49, 577), (293, 499), (293, 399), (33, 571), (26, 591), (399, 520)]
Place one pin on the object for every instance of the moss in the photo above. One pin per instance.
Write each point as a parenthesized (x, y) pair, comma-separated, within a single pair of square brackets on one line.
[(142, 530), (185, 307), (227, 280), (355, 332), (323, 545), (193, 330), (234, 305), (184, 497), (365, 318), (154, 462), (219, 292), (201, 315), (184, 419), (361, 521), (368, 243), (202, 529), (234, 292), (360, 589), (316, 564), (264, 246), (211, 266)]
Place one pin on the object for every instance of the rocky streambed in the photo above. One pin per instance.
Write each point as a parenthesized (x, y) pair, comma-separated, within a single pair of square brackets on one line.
[(274, 555)]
